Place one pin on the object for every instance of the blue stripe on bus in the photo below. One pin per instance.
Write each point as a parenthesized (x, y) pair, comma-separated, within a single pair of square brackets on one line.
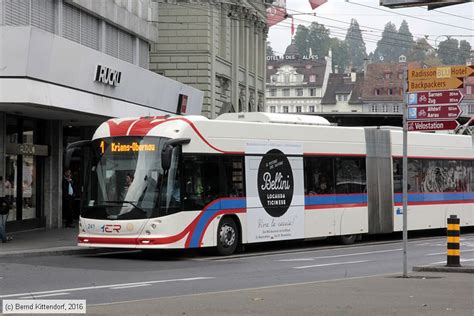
[(208, 214), (335, 199), (435, 197)]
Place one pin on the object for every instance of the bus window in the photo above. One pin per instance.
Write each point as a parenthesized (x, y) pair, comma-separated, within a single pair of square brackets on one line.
[(319, 175), (207, 178), (350, 175)]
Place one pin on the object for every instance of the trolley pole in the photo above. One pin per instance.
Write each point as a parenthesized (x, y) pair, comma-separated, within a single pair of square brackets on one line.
[(405, 170)]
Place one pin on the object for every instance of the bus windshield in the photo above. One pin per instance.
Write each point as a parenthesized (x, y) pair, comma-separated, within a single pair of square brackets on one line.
[(126, 180)]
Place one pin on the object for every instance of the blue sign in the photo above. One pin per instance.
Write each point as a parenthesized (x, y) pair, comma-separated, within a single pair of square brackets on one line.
[(412, 99), (412, 114)]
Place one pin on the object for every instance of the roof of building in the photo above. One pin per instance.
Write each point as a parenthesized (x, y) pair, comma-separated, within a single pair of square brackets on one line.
[(305, 67), (343, 84)]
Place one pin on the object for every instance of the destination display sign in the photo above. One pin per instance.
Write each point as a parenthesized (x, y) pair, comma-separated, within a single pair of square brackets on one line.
[(435, 97), (118, 147), (434, 112), (424, 126), (435, 84), (460, 71)]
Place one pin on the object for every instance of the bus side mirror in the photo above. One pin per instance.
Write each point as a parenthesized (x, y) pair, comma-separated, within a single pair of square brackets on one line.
[(71, 148), (167, 152)]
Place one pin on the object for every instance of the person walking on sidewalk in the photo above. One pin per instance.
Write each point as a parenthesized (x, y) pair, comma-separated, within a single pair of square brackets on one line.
[(68, 198), (4, 210)]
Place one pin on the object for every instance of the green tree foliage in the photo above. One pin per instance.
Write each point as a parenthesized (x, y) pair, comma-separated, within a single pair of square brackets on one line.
[(448, 51), (388, 47), (419, 50), (270, 51), (340, 55), (315, 37), (302, 39), (464, 52), (356, 46), (405, 39)]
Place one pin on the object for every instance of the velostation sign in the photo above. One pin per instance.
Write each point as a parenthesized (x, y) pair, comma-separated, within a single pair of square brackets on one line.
[(425, 126)]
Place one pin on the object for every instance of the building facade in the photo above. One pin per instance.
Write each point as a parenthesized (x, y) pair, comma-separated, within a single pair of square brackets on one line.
[(296, 83), (65, 67), (217, 47), (383, 87)]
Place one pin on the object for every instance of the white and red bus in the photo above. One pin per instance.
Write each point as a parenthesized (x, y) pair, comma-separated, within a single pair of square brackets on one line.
[(191, 182)]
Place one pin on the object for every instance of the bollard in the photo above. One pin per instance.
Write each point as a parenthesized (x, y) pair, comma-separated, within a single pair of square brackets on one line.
[(454, 249)]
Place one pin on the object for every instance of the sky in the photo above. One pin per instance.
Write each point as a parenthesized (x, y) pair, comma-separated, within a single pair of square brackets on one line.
[(456, 21)]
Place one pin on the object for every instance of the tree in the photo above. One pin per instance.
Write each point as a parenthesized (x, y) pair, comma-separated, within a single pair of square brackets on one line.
[(448, 51), (315, 37), (419, 50), (405, 39), (340, 55), (319, 39), (355, 45), (388, 47), (302, 40), (270, 51), (464, 52)]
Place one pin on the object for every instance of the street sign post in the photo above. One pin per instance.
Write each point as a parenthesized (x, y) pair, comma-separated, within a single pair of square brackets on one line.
[(425, 126), (434, 112), (435, 97)]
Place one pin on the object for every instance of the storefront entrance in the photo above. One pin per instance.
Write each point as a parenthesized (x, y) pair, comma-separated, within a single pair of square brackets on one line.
[(24, 173)]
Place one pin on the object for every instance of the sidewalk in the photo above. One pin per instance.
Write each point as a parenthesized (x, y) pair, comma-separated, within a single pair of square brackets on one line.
[(43, 242)]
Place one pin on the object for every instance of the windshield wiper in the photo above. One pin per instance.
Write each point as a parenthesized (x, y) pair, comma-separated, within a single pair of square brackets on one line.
[(128, 202)]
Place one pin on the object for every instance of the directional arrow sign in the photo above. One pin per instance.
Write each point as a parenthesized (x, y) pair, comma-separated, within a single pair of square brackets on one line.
[(435, 84), (432, 125), (435, 97), (441, 72), (434, 112)]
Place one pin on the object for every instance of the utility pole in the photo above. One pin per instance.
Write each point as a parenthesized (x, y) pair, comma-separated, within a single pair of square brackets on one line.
[(405, 169)]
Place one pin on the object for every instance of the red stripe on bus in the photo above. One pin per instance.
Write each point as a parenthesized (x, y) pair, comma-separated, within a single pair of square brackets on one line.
[(435, 202), (107, 240)]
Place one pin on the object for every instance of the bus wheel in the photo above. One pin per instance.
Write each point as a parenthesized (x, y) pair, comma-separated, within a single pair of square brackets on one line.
[(347, 239), (227, 237)]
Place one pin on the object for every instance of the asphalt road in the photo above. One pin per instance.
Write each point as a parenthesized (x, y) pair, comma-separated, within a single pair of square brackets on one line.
[(133, 275)]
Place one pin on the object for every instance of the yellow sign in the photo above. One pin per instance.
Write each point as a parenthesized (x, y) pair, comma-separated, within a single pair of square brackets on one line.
[(136, 147), (435, 84), (440, 72)]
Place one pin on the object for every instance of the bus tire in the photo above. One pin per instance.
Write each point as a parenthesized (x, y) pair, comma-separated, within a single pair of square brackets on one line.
[(227, 237), (347, 239)]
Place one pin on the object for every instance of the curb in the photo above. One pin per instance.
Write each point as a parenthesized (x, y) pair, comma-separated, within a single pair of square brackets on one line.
[(465, 269), (54, 252)]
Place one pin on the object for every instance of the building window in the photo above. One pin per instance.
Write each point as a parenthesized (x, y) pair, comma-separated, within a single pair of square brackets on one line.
[(471, 109), (312, 92), (377, 92), (396, 108), (272, 109), (311, 108), (298, 109), (373, 108), (388, 75), (390, 91), (299, 92), (285, 109), (400, 75), (273, 92), (346, 96), (286, 92), (286, 79), (312, 78), (468, 89)]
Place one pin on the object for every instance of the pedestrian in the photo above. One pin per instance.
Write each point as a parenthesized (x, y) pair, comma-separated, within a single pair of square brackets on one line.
[(68, 198), (4, 210)]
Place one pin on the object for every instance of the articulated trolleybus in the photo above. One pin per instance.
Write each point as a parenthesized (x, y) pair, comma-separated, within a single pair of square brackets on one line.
[(191, 182)]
